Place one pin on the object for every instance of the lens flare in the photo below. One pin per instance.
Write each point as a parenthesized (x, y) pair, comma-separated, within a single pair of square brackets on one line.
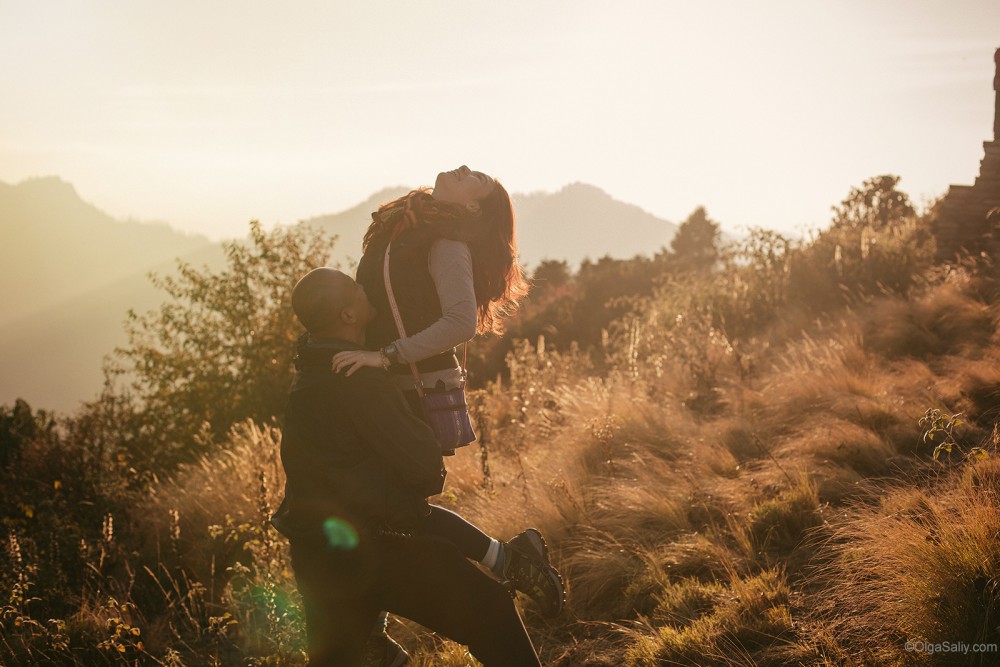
[(340, 535)]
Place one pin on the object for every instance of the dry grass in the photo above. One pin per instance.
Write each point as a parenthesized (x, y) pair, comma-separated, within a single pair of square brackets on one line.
[(779, 509), (846, 444), (735, 622), (943, 321), (217, 496), (777, 527), (917, 566)]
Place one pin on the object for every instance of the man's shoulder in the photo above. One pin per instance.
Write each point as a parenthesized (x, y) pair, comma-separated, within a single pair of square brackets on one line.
[(370, 377), (364, 378), (325, 378)]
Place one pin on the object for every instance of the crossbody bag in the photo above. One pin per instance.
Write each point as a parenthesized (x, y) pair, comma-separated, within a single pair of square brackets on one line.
[(445, 410)]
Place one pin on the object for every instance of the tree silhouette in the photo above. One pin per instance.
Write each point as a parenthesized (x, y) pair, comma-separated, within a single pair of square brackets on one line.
[(551, 273), (220, 349), (877, 205), (695, 247)]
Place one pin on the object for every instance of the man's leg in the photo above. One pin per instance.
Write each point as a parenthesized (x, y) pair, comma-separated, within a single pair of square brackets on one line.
[(336, 597), (470, 540), (426, 579)]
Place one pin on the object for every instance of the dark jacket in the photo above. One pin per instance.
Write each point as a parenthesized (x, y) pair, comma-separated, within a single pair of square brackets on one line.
[(352, 450), (415, 292)]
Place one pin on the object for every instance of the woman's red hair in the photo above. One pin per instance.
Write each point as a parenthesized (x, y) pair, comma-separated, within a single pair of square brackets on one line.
[(491, 235)]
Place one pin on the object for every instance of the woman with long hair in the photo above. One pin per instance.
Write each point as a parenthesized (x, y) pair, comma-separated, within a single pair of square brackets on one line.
[(454, 273), (453, 268)]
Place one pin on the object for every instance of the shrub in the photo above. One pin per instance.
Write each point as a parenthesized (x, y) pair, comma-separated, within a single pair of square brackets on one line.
[(218, 351)]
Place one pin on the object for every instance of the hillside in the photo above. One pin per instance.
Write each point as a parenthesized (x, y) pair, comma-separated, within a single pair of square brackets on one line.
[(790, 458), (582, 221), (70, 272), (53, 357), (54, 246)]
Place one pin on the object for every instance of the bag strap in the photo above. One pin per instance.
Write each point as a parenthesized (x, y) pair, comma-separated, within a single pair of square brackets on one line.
[(399, 323)]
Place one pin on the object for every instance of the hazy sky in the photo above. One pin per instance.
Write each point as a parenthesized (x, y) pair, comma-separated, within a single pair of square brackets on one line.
[(208, 114)]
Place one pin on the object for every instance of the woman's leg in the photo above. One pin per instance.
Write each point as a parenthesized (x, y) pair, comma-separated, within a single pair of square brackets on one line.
[(470, 540), (526, 567)]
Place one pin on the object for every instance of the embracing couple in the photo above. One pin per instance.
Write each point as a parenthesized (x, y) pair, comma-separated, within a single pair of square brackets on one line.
[(360, 460)]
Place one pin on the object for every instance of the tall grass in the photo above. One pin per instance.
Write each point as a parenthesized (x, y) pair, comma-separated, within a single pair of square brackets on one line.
[(917, 566), (718, 488), (190, 574)]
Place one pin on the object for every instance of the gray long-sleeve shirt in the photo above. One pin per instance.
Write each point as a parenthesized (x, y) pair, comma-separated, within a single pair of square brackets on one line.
[(450, 266)]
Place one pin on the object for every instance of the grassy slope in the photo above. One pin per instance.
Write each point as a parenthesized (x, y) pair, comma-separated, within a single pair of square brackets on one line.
[(760, 536), (801, 523)]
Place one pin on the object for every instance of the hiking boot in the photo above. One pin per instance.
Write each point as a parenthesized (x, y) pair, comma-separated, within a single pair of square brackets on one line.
[(527, 568), (381, 651)]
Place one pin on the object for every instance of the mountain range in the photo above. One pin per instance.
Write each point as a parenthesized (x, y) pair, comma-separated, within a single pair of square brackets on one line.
[(70, 272)]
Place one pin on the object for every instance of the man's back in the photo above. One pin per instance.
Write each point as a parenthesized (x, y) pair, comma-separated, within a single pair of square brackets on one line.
[(352, 450)]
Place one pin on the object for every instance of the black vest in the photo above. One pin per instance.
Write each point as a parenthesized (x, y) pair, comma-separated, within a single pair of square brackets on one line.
[(416, 295)]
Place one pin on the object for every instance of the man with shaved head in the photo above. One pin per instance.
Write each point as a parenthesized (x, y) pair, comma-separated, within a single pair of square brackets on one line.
[(359, 468), (325, 295)]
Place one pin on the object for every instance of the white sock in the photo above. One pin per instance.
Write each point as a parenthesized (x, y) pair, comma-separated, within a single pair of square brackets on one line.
[(494, 557)]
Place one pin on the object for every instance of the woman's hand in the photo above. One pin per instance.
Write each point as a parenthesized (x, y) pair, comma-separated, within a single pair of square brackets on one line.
[(352, 360)]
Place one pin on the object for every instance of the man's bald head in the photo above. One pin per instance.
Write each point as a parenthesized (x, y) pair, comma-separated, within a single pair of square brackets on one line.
[(326, 299)]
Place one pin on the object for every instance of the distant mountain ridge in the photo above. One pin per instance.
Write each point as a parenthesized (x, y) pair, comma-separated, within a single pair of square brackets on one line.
[(69, 272), (582, 221), (55, 246), (349, 226), (578, 222)]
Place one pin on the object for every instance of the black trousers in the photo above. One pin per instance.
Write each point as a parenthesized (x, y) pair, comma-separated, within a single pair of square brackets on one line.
[(470, 540), (423, 578)]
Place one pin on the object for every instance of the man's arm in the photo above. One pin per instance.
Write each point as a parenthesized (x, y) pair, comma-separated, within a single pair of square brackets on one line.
[(400, 438)]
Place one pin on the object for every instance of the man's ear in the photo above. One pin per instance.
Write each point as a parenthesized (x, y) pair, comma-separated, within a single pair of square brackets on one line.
[(347, 316)]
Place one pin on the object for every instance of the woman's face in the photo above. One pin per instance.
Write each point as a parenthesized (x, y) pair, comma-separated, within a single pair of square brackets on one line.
[(463, 186)]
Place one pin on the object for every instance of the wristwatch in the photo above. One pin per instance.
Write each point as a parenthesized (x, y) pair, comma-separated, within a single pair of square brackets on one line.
[(390, 354)]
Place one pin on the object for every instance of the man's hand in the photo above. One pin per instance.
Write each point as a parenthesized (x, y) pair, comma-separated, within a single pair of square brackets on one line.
[(352, 360)]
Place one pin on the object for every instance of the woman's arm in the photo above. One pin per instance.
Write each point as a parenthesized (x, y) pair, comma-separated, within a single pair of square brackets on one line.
[(450, 265)]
